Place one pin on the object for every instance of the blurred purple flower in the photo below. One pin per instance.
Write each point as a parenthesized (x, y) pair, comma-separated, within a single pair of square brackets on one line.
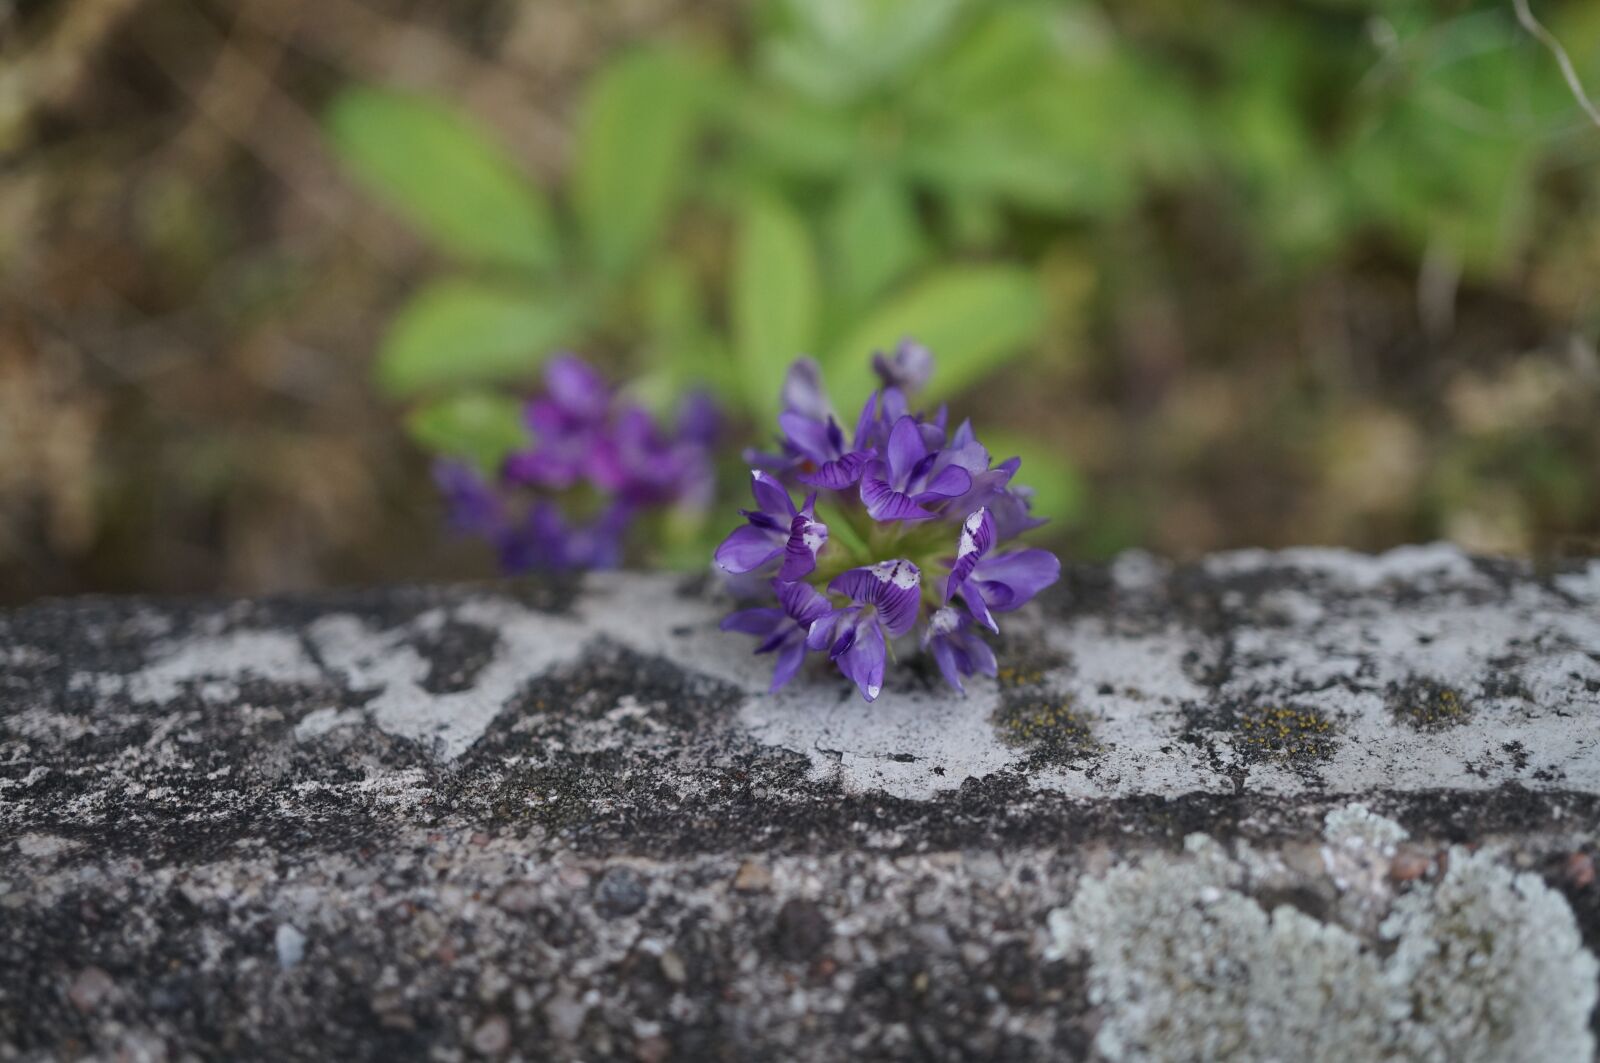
[(907, 370), (593, 466)]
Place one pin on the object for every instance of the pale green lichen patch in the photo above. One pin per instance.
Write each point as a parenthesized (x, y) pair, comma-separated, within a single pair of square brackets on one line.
[(1186, 963), (1428, 705)]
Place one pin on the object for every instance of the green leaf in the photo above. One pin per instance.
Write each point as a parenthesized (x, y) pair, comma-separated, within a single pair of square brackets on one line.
[(638, 122), (1008, 48), (774, 296), (458, 332), (1059, 490), (792, 135), (874, 236), (481, 427), (973, 318), (449, 179), (841, 49)]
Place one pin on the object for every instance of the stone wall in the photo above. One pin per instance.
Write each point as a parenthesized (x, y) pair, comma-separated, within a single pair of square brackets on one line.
[(1298, 805)]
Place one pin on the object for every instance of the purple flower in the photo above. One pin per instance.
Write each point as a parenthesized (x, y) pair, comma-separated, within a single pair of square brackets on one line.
[(903, 488), (546, 541), (812, 436), (957, 649), (565, 423), (584, 442), (782, 629), (913, 476), (885, 599), (637, 461), (775, 527), (999, 583)]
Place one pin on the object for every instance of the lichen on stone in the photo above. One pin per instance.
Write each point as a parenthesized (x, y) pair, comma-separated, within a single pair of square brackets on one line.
[(1186, 964), (1492, 966)]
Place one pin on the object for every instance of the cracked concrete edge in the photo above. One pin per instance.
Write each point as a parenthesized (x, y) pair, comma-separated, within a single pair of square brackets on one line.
[(1165, 695)]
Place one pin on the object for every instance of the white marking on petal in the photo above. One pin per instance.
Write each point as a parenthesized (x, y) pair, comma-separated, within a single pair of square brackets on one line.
[(902, 573)]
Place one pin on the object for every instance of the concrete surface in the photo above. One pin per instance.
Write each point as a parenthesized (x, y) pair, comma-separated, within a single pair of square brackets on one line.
[(1299, 805)]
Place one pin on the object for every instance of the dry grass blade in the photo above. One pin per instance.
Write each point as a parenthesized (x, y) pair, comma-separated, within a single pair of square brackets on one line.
[(1563, 60)]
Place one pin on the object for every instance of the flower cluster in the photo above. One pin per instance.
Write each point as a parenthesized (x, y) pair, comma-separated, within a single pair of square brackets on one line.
[(594, 465), (902, 519)]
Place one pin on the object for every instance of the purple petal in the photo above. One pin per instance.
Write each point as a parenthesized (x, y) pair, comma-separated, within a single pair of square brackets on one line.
[(788, 663), (471, 504), (820, 633), (944, 655), (809, 437), (699, 419), (893, 587), (1011, 512), (951, 481), (762, 621), (802, 602), (839, 474), (803, 393), (979, 655), (783, 635), (884, 503), (908, 369), (806, 538), (971, 457), (746, 549), (1009, 580), (906, 448), (542, 542), (771, 497), (598, 544), (869, 413), (575, 385), (862, 661), (892, 406), (977, 538), (978, 607), (543, 467)]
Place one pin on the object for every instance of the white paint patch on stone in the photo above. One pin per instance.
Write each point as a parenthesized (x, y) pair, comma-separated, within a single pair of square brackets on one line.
[(1131, 689), (1585, 585), (1422, 566), (211, 665), (1347, 666), (531, 644)]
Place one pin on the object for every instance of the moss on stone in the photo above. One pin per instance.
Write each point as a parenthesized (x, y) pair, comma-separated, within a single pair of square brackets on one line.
[(1284, 732), (1427, 705)]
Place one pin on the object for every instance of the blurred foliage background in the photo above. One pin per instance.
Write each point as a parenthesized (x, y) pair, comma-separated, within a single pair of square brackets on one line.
[(1315, 272)]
